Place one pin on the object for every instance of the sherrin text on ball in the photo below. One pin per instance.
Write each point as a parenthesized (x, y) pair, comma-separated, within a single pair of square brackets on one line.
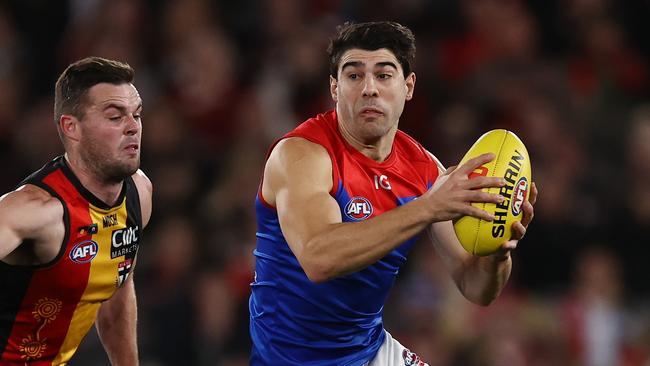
[(511, 162)]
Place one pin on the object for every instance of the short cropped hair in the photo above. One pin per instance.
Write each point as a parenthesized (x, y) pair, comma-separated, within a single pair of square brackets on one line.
[(75, 81), (372, 36)]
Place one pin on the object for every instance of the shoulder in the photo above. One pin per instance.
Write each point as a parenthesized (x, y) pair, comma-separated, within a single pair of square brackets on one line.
[(296, 155), (408, 145), (31, 196), (142, 182), (441, 167), (321, 129), (30, 213), (418, 154), (298, 147), (296, 162), (145, 192), (30, 203)]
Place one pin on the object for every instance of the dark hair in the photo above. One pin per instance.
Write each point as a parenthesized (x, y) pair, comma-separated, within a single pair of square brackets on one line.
[(73, 84), (373, 36)]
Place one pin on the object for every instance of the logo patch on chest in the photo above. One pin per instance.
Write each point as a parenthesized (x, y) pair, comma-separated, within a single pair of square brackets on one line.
[(124, 241), (123, 270), (358, 208), (84, 251), (110, 220)]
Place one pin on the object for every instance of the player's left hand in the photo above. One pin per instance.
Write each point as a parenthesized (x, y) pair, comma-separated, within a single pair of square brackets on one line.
[(519, 228)]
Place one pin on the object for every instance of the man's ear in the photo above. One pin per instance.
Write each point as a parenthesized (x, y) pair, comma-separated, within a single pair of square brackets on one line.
[(334, 88), (410, 85), (69, 126)]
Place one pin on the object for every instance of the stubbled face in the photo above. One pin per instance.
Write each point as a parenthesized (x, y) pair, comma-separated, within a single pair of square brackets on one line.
[(370, 93), (111, 130)]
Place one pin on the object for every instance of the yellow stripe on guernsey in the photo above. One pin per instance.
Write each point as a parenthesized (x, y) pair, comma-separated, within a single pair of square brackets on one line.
[(102, 281)]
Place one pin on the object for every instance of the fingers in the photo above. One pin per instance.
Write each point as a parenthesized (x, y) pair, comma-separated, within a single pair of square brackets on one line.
[(470, 210), (473, 193), (508, 246), (518, 230), (466, 208), (529, 213), (533, 193), (518, 233), (484, 182), (504, 251), (482, 197), (474, 163)]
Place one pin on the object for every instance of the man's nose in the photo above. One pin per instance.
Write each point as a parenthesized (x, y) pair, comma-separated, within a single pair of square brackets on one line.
[(132, 125), (370, 87)]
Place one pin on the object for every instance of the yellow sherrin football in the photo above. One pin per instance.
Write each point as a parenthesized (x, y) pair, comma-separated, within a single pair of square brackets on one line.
[(482, 237)]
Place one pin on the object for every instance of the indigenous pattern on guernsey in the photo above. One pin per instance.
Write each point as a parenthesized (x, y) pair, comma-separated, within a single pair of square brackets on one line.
[(294, 321), (46, 310)]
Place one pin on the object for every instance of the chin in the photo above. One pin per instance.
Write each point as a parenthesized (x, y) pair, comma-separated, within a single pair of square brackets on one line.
[(119, 172), (374, 129), (132, 168)]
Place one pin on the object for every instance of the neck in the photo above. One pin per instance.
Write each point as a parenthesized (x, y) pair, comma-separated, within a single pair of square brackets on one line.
[(106, 191), (376, 149)]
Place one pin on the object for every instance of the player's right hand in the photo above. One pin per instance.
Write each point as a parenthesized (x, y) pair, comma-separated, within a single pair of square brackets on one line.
[(452, 194)]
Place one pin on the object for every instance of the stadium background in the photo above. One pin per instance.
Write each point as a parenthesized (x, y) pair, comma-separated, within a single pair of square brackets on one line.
[(221, 80)]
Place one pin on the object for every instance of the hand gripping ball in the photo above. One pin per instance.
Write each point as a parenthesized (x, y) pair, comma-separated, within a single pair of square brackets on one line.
[(481, 237)]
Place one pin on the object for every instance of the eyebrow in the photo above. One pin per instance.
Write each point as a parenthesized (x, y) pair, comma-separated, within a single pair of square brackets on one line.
[(120, 108), (378, 64)]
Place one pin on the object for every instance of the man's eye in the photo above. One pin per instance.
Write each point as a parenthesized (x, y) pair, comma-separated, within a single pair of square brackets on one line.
[(384, 76), (353, 76), (115, 119)]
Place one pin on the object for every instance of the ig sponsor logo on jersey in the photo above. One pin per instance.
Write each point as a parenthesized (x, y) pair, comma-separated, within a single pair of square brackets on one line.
[(84, 252), (358, 208), (518, 195)]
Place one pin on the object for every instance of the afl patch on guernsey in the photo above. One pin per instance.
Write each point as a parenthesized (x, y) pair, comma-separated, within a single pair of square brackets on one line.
[(84, 251), (358, 208)]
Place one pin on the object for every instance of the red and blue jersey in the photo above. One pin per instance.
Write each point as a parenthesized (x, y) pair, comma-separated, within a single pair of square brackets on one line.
[(294, 321)]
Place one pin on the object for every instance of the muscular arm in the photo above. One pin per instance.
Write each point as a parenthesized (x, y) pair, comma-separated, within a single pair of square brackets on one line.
[(11, 232), (298, 178), (117, 318), (116, 326), (30, 213)]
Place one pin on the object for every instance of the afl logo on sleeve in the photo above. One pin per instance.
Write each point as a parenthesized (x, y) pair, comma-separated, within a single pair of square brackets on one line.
[(358, 208), (124, 241), (84, 251)]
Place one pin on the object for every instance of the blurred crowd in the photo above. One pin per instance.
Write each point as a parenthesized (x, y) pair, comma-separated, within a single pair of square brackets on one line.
[(221, 80)]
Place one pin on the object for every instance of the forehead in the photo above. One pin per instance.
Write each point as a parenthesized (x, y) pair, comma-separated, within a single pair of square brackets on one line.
[(368, 58), (106, 93)]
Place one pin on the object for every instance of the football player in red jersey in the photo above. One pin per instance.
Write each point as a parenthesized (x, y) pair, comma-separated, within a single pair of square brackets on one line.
[(337, 214), (70, 232)]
